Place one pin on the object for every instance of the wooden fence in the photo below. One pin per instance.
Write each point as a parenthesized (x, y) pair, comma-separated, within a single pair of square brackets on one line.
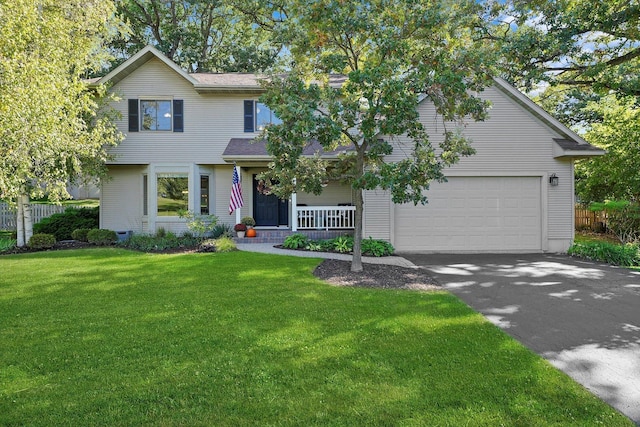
[(590, 220), (8, 214)]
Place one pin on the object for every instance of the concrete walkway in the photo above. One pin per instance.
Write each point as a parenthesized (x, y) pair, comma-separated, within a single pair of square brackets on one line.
[(584, 317), (270, 249)]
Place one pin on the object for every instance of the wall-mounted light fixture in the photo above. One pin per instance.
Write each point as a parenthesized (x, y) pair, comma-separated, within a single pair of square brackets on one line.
[(553, 180)]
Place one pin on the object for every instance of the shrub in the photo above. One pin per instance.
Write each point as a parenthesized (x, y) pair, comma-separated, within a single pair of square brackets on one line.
[(101, 236), (199, 225), (296, 241), (42, 241), (240, 227), (221, 230), (222, 244), (149, 243), (7, 244), (343, 244), (61, 225), (376, 247), (225, 244), (626, 255), (80, 234), (623, 218), (248, 221)]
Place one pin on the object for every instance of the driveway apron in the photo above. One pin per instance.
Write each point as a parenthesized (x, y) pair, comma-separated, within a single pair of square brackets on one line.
[(583, 317)]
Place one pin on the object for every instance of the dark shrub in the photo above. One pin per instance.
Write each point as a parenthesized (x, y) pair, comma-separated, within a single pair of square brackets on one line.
[(625, 255), (221, 230), (376, 247), (101, 236), (62, 224), (80, 234), (42, 241), (147, 243), (296, 241)]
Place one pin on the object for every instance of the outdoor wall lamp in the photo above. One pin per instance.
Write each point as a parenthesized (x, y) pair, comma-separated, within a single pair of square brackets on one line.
[(553, 180)]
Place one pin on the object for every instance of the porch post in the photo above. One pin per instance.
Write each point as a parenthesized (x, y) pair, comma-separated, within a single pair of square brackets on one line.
[(294, 210), (239, 210)]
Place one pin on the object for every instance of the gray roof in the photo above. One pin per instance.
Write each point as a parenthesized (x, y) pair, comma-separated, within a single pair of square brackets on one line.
[(569, 144), (248, 149)]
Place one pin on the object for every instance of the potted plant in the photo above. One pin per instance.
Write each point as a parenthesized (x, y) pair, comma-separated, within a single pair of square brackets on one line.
[(240, 229), (248, 221)]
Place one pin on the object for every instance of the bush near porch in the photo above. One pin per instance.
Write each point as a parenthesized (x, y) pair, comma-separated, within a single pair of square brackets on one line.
[(114, 337)]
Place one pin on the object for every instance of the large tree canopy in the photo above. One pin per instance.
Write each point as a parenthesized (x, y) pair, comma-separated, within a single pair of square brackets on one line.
[(49, 130), (616, 174), (390, 54), (582, 43), (199, 35)]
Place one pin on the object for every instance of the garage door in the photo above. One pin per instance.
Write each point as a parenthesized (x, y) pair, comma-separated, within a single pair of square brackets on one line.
[(474, 214)]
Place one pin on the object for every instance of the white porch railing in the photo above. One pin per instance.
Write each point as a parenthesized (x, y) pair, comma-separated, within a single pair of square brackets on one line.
[(323, 217)]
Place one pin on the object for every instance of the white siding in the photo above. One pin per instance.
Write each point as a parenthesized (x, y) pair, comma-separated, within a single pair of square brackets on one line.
[(210, 120), (378, 216), (121, 199)]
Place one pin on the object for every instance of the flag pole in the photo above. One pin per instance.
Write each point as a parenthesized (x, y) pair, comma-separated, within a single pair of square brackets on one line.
[(238, 211)]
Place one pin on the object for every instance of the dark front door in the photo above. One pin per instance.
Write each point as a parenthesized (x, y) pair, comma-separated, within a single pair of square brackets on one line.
[(268, 210)]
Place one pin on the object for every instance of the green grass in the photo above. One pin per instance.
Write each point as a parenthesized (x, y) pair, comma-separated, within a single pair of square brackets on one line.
[(83, 203), (589, 237), (115, 337)]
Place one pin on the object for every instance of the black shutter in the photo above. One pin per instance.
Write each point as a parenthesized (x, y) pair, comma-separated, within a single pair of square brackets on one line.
[(178, 115), (248, 116), (134, 114)]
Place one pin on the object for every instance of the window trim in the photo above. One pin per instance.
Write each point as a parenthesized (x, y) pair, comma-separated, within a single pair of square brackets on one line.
[(135, 114)]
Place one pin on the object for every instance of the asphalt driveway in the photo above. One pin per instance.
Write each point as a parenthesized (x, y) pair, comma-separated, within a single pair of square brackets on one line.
[(583, 317)]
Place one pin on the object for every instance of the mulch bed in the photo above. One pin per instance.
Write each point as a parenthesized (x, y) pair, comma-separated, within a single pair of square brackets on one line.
[(379, 276)]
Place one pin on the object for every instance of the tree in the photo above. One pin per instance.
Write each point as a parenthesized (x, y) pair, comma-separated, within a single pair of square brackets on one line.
[(616, 175), (50, 129), (573, 43), (389, 53), (198, 35)]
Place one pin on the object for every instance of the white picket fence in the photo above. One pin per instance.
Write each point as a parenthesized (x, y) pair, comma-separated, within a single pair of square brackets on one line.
[(8, 215)]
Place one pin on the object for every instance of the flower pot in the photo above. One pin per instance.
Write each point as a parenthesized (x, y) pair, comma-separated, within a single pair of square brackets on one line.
[(251, 232), (240, 234)]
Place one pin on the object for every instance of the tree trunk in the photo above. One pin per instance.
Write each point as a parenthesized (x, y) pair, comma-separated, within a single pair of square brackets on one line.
[(20, 223), (356, 262), (28, 219)]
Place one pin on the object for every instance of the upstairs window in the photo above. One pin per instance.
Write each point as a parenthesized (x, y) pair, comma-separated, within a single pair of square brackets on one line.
[(257, 116), (156, 115)]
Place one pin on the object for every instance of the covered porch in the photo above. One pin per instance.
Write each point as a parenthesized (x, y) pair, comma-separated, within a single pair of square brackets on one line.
[(332, 210)]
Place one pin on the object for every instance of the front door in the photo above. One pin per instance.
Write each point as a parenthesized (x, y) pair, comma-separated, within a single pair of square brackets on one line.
[(269, 210)]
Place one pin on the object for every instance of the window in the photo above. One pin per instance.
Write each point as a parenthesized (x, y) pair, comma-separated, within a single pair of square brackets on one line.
[(156, 115), (204, 195), (257, 116), (173, 194)]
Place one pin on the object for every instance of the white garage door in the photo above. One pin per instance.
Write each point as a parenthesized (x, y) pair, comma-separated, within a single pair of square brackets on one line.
[(474, 214)]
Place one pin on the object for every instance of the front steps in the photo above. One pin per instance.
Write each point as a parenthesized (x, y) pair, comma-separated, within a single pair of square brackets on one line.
[(277, 236)]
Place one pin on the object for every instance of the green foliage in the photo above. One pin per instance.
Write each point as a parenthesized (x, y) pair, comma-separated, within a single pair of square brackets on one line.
[(199, 35), (296, 241), (53, 127), (248, 221), (168, 241), (101, 237), (623, 218), (199, 225), (42, 241), (627, 255), (377, 247), (6, 244), (552, 41), (221, 230), (616, 175), (62, 224), (343, 244), (80, 234), (225, 244)]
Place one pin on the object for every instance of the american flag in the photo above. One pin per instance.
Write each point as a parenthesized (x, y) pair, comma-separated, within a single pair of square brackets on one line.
[(236, 201)]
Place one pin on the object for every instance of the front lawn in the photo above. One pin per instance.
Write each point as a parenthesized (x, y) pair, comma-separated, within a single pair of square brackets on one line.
[(115, 337)]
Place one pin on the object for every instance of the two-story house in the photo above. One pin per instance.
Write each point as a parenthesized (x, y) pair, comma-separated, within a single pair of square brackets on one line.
[(185, 132)]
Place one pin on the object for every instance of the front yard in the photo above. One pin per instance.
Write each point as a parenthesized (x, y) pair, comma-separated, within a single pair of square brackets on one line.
[(114, 337)]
